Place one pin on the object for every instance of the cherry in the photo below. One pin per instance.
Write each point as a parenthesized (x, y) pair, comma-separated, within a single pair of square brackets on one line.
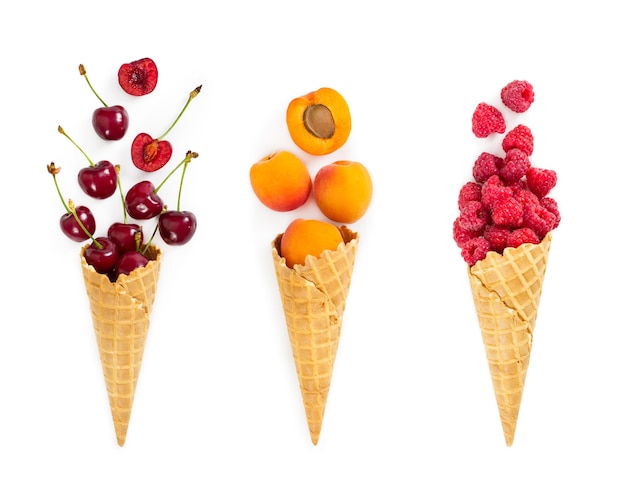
[(138, 77), (77, 223), (128, 262), (109, 122), (75, 231), (125, 236), (142, 201), (177, 227), (102, 254), (96, 180), (150, 154)]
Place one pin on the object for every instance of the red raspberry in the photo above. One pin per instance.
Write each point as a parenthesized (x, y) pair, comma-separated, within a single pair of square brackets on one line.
[(550, 204), (525, 197), (521, 236), (519, 137), (540, 181), (518, 95), (508, 212), (516, 164), (473, 217), (539, 219), (494, 190), (469, 192), (486, 120), (474, 250), (497, 237), (460, 235), (485, 166)]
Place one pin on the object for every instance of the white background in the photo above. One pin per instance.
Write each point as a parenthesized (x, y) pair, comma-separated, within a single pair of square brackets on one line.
[(411, 403)]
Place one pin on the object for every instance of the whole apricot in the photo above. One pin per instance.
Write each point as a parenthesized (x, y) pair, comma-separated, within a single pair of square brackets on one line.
[(281, 181), (343, 191), (319, 122), (305, 237)]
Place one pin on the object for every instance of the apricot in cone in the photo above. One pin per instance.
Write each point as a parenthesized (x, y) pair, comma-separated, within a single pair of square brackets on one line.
[(506, 289), (120, 313), (314, 297)]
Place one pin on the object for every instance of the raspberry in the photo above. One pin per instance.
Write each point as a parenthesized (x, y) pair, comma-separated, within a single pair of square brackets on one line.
[(469, 192), (519, 137), (518, 95), (525, 197), (540, 181), (485, 166), (539, 219), (460, 235), (516, 163), (497, 237), (494, 190), (551, 205), (474, 250), (473, 217), (486, 120), (521, 236), (508, 212)]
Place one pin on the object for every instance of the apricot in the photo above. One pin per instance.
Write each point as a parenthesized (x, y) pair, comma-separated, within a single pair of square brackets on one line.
[(319, 122), (305, 237), (281, 181), (343, 190)]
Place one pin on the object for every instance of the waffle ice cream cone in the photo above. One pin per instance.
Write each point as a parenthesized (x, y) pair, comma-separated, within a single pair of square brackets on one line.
[(121, 315), (506, 289), (314, 297)]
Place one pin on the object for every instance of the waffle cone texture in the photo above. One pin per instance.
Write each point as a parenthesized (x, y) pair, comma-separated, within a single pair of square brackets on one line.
[(120, 314), (506, 289), (314, 297)]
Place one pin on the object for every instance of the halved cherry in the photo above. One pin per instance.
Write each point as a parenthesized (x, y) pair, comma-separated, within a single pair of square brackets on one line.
[(150, 154), (138, 77)]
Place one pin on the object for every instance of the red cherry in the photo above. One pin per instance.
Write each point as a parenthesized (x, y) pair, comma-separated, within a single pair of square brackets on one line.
[(142, 201), (177, 227), (127, 236), (102, 255), (98, 181), (110, 123), (72, 229), (149, 154), (138, 77), (128, 262)]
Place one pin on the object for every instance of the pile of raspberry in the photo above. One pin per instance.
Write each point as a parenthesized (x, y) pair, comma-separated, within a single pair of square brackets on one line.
[(507, 204)]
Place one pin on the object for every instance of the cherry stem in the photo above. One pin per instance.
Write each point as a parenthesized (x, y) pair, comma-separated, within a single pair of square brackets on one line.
[(185, 161), (83, 72), (53, 170), (82, 226), (62, 131), (138, 237), (192, 95), (147, 245), (119, 186), (182, 176)]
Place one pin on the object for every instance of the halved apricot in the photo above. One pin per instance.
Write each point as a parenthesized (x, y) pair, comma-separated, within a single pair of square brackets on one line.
[(319, 122)]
